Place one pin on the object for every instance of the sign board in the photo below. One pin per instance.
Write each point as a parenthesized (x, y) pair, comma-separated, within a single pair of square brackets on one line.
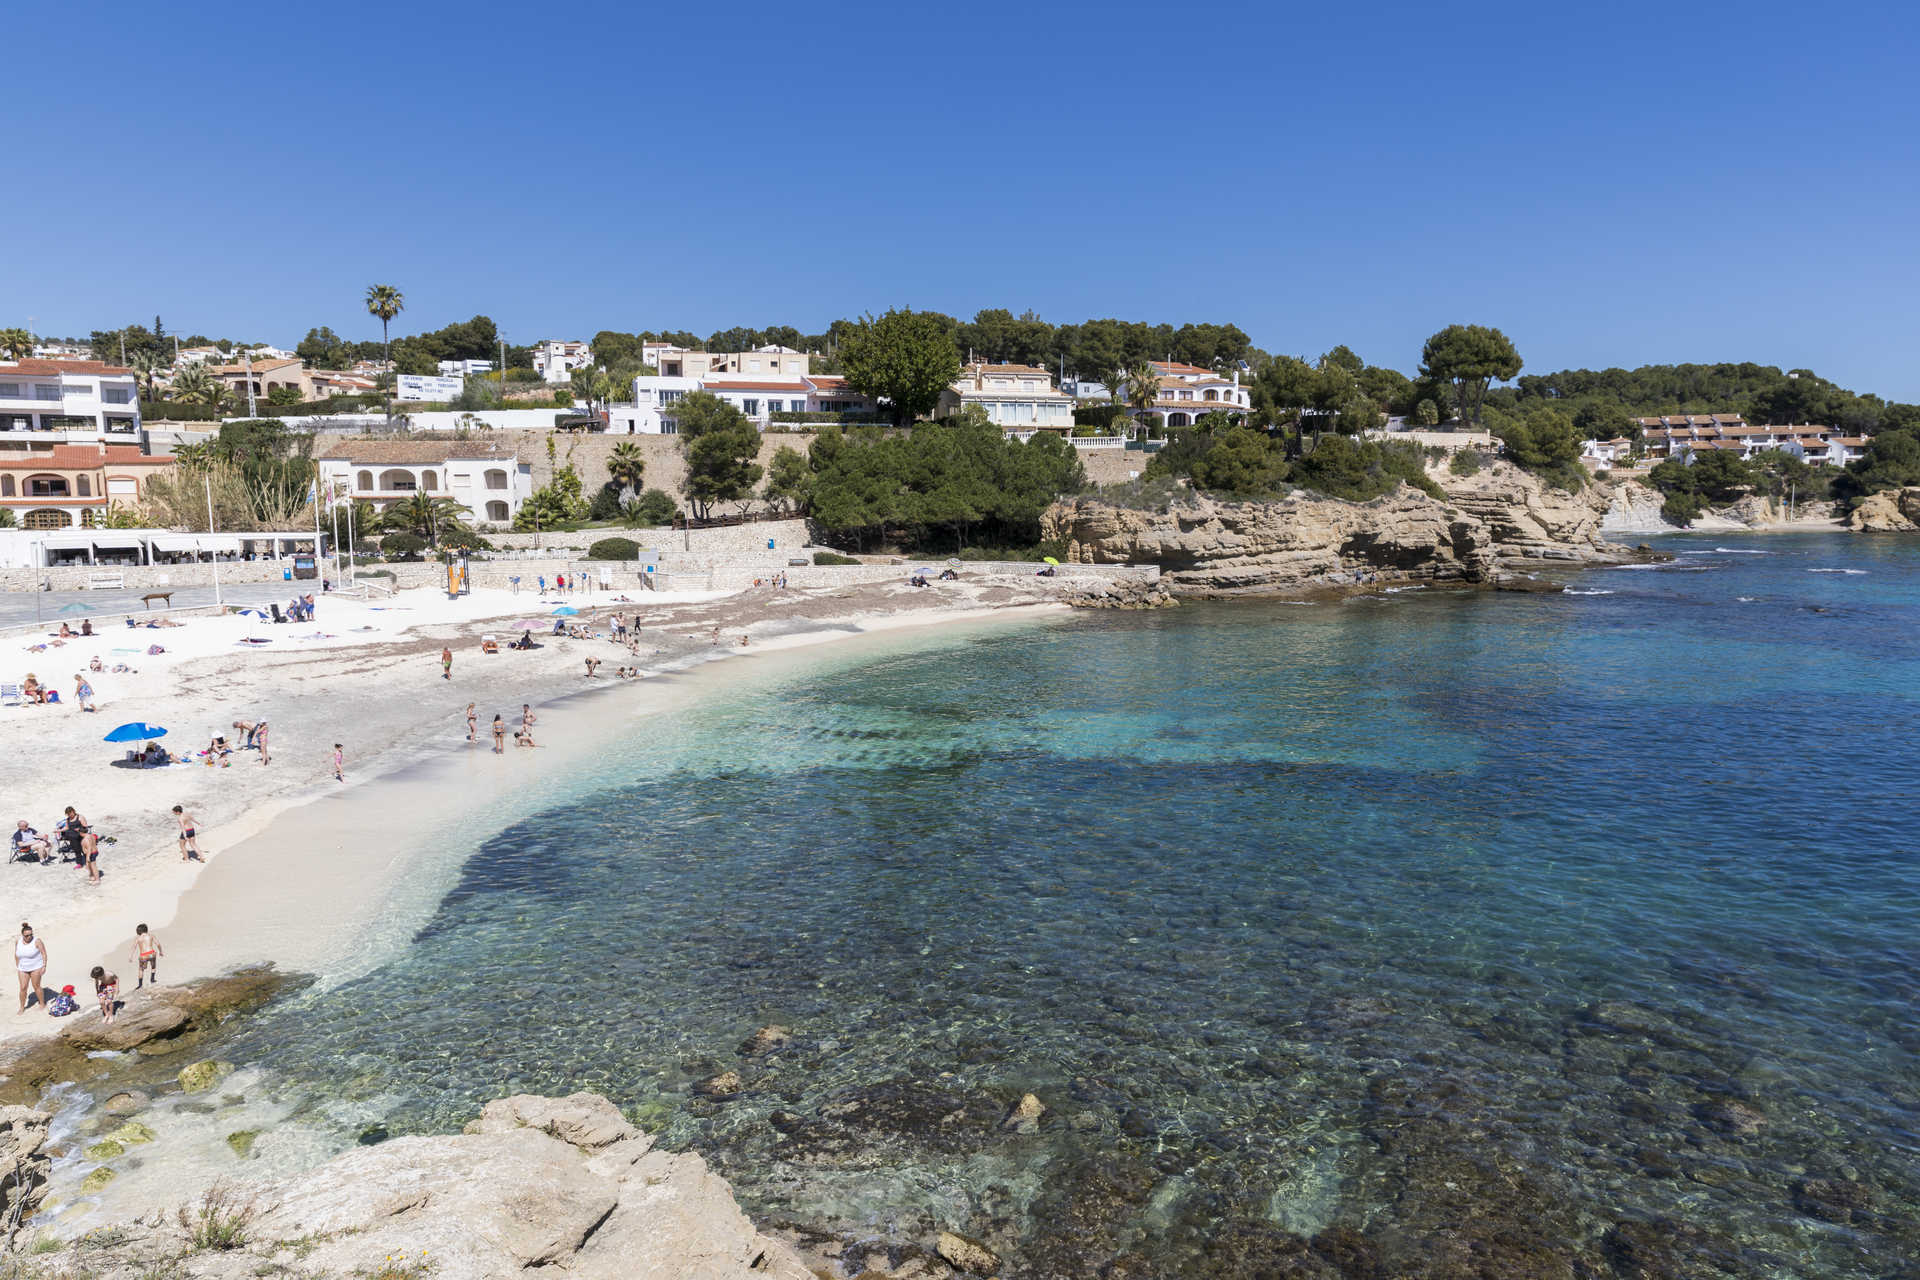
[(414, 386)]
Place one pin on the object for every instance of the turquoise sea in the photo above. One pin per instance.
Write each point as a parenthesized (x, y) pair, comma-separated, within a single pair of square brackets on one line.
[(1428, 934)]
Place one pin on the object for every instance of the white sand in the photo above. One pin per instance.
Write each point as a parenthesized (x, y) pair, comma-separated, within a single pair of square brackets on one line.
[(310, 873)]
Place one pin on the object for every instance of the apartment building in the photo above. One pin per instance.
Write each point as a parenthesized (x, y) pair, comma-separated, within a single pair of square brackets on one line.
[(1681, 435), (69, 400), (759, 398), (772, 362), (49, 485), (489, 481)]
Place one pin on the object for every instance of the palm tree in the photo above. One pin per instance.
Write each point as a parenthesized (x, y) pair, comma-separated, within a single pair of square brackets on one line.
[(16, 344), (428, 517), (385, 301), (194, 385), (1143, 386), (145, 362), (627, 466)]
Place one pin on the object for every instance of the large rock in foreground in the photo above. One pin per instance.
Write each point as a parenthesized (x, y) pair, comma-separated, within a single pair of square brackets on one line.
[(535, 1183), (1892, 511)]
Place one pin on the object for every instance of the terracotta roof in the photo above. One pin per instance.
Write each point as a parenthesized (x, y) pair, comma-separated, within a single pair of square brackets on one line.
[(414, 452), (47, 368), (1009, 368), (826, 380), (1175, 366), (259, 366), (80, 457)]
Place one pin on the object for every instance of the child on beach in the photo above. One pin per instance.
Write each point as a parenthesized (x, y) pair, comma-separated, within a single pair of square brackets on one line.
[(260, 741), (339, 763), (446, 664), (106, 989), (146, 954), (189, 847), (472, 720)]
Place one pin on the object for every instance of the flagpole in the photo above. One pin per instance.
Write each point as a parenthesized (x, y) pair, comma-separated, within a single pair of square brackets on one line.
[(217, 602)]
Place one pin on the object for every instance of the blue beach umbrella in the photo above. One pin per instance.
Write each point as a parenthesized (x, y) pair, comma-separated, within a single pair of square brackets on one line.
[(135, 732), (565, 611)]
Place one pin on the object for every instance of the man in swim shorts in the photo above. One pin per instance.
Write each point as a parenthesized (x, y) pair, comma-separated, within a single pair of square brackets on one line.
[(189, 847)]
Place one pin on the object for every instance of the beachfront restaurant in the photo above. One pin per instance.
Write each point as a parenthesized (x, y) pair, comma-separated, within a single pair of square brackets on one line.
[(127, 548)]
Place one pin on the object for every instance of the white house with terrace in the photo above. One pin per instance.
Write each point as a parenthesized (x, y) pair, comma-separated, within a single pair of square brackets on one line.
[(1017, 398), (69, 401), (759, 398), (492, 483), (1188, 393)]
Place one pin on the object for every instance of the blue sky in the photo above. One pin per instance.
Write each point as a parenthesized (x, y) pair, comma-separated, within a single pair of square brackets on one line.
[(1611, 185)]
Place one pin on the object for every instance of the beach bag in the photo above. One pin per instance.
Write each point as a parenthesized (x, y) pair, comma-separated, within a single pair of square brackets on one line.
[(153, 649), (61, 1005)]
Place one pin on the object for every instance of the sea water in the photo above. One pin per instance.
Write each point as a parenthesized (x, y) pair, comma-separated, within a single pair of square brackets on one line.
[(1526, 930)]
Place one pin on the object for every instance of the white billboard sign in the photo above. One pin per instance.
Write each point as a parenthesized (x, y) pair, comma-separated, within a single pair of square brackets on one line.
[(414, 386)]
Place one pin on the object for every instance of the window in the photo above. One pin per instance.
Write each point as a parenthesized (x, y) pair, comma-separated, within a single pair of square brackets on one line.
[(86, 487), (750, 407), (365, 481), (46, 487), (774, 406), (120, 426), (496, 479), (6, 486), (42, 392), (47, 518), (496, 511), (668, 397), (10, 389), (122, 487), (463, 481)]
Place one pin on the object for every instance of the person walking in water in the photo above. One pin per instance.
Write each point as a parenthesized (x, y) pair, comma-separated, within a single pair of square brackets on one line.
[(499, 735), (30, 958), (189, 847), (446, 663), (146, 956), (472, 721)]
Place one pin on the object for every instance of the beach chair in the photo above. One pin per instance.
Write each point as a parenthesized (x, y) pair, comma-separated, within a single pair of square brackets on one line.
[(10, 695), (489, 645)]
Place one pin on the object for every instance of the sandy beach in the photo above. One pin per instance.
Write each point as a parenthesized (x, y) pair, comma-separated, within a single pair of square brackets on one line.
[(297, 862)]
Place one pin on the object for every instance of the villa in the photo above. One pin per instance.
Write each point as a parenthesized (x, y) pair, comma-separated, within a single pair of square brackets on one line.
[(69, 400), (759, 398), (1682, 435), (1015, 397), (260, 377), (555, 360), (63, 486), (490, 482)]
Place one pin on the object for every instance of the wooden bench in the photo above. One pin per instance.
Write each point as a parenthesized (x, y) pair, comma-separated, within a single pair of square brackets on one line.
[(165, 597)]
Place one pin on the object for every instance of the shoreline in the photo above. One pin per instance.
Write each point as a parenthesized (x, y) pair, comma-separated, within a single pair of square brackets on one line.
[(251, 895)]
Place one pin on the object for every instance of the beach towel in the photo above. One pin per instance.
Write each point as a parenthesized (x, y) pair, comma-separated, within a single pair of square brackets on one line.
[(154, 649), (61, 1005)]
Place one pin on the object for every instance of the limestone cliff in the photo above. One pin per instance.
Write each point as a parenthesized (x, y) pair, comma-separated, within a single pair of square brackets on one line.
[(1488, 524), (1892, 511)]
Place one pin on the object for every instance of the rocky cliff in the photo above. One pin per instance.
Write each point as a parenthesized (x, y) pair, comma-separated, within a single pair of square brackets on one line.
[(1893, 511), (534, 1184), (1489, 525)]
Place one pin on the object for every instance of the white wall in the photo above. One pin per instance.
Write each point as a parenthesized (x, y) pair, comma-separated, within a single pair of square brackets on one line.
[(498, 419)]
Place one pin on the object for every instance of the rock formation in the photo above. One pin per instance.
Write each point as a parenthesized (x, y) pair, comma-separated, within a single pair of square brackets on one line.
[(534, 1183), (1496, 520), (1891, 511)]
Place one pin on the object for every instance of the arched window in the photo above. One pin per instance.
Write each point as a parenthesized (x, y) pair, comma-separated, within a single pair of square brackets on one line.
[(86, 487), (87, 518), (6, 486), (428, 480), (47, 518), (47, 487), (497, 511), (496, 479), (365, 481)]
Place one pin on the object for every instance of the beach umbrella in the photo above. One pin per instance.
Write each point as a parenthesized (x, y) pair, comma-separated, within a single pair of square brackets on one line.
[(527, 624), (923, 571), (565, 611), (75, 608), (1049, 560), (135, 732)]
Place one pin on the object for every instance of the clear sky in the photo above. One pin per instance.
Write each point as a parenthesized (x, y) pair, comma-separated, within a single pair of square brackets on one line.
[(1611, 184)]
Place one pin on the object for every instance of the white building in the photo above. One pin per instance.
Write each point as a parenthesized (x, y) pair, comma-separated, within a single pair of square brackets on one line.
[(1086, 389), (1188, 393), (651, 412), (1015, 397), (62, 351), (555, 360), (464, 368), (492, 483), (69, 400)]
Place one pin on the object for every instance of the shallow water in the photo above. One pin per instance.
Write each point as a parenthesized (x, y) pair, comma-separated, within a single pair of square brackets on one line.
[(1541, 931)]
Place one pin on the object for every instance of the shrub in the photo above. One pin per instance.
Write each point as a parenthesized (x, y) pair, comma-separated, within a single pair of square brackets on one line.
[(563, 399), (1465, 462), (606, 503), (614, 549), (651, 509), (402, 546), (221, 1220), (828, 557), (523, 375), (464, 540)]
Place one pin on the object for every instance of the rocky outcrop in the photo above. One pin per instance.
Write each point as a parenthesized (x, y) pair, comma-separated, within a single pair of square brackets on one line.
[(23, 1164), (534, 1183), (1891, 511), (1500, 518)]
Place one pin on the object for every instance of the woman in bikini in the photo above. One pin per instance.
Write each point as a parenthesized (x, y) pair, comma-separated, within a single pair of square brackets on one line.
[(30, 958), (499, 735), (472, 721)]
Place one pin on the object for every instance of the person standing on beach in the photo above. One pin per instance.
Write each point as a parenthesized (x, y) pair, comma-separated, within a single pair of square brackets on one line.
[(189, 847), (472, 721), (82, 692), (591, 664), (146, 954), (527, 717), (339, 763), (446, 663), (260, 741), (30, 958), (499, 735)]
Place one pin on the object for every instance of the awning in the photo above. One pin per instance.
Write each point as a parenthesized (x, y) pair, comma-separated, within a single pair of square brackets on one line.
[(175, 542), (103, 538)]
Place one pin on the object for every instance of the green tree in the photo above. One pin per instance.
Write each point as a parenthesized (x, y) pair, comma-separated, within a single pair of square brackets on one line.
[(1599, 420), (323, 349), (905, 357), (429, 517), (15, 344), (1283, 389), (284, 395), (1243, 463), (789, 480), (1426, 414), (560, 502), (6, 518), (652, 509), (1470, 357), (1357, 414), (1143, 386), (720, 446), (1542, 439), (145, 364), (385, 301)]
